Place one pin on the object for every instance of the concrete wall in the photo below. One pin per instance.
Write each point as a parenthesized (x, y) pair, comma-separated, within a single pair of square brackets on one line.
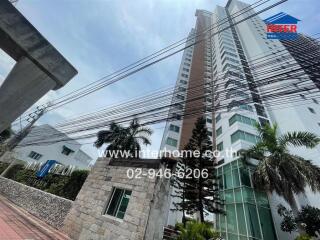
[(47, 207), (87, 218)]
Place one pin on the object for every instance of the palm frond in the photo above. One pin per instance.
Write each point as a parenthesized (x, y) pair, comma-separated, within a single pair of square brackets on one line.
[(145, 130), (299, 139), (145, 140), (257, 151), (102, 137)]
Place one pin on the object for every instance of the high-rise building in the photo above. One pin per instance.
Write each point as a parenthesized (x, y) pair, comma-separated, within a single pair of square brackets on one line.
[(235, 77)]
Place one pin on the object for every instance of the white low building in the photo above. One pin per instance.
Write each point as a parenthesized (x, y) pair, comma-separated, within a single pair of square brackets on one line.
[(66, 152)]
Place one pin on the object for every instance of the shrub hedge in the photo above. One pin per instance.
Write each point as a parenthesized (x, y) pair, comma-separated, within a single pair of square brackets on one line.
[(60, 185), (3, 166)]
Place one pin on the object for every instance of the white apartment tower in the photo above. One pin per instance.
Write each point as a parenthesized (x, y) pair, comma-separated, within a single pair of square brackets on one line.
[(243, 78)]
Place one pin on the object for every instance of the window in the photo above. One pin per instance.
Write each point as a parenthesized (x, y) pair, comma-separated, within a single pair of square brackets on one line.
[(209, 120), (180, 97), (228, 53), (242, 119), (118, 203), (230, 59), (185, 69), (220, 146), (34, 155), (66, 150), (315, 101), (218, 118), (172, 142), (182, 89), (209, 133), (219, 131), (174, 128), (183, 82), (241, 135), (311, 110), (184, 75)]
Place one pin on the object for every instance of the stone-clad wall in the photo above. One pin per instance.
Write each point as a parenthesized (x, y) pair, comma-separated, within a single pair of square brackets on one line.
[(86, 219), (48, 207)]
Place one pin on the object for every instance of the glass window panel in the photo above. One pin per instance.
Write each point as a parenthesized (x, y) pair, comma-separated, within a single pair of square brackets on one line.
[(232, 237), (243, 238), (245, 179), (248, 195), (218, 222), (226, 167), (229, 196), (236, 179), (223, 223), (219, 131), (228, 180), (267, 224), (252, 220), (124, 204), (220, 146), (241, 219), (115, 201), (240, 163), (262, 199), (234, 164), (118, 203), (237, 194), (231, 219), (220, 182)]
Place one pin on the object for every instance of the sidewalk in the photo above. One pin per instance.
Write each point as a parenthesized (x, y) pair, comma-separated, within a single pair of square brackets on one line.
[(17, 224)]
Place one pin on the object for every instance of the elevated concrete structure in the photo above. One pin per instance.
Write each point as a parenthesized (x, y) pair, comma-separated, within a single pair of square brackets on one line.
[(39, 68)]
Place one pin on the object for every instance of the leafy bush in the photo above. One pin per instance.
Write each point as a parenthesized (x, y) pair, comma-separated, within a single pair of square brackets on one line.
[(60, 185), (3, 166), (74, 184), (303, 237), (197, 231)]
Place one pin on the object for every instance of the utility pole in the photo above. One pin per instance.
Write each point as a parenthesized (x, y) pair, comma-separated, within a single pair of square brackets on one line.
[(16, 139)]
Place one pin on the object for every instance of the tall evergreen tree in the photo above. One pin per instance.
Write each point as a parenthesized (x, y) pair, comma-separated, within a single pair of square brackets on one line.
[(196, 181)]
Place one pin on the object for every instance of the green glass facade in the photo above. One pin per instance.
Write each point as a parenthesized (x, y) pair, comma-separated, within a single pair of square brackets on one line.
[(248, 215)]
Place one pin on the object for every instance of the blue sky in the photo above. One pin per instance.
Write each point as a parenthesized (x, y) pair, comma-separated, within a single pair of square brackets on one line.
[(101, 36)]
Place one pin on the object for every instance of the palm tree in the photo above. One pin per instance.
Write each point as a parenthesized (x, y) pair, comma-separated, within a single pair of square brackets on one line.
[(197, 231), (278, 170), (124, 138)]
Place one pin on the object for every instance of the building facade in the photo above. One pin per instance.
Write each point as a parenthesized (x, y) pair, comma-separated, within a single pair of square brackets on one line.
[(65, 152), (236, 79)]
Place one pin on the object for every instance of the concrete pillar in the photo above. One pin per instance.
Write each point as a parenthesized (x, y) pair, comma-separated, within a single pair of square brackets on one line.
[(25, 84)]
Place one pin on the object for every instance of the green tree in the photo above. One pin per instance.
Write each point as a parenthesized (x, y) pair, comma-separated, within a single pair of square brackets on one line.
[(124, 138), (308, 217), (280, 171), (197, 231), (196, 182), (74, 184)]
